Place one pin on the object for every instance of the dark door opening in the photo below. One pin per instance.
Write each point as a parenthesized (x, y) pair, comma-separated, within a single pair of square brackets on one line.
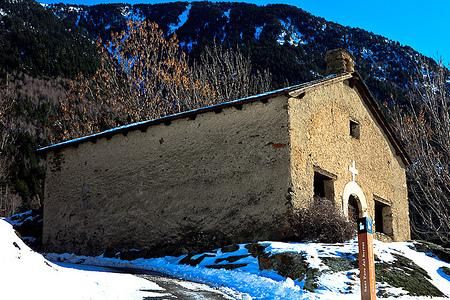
[(383, 218), (353, 208)]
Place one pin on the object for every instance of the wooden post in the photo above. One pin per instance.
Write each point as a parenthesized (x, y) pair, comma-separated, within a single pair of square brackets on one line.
[(365, 259)]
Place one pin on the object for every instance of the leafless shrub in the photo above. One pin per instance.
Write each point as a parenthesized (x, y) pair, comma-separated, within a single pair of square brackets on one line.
[(425, 130), (322, 221), (10, 202)]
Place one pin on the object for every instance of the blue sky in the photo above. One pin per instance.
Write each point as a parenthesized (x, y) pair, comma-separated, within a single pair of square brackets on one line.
[(423, 25)]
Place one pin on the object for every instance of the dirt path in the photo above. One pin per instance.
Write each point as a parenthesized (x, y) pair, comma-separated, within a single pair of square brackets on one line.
[(174, 288), (181, 289)]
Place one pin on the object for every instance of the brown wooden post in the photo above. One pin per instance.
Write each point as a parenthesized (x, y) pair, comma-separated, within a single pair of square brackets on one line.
[(365, 259)]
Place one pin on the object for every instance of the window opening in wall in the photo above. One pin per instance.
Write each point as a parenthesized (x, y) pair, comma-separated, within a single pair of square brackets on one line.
[(354, 129), (383, 218), (323, 186)]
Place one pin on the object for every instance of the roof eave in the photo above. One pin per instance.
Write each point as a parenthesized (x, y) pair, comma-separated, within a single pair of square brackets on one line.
[(375, 110), (187, 114)]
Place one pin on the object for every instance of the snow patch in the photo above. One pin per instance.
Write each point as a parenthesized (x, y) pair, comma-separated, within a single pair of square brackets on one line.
[(258, 30), (182, 19), (290, 34), (75, 9), (132, 14), (19, 219), (226, 14), (188, 45), (21, 266), (367, 53)]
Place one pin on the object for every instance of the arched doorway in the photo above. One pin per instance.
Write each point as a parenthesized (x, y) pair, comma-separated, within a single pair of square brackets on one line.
[(354, 201)]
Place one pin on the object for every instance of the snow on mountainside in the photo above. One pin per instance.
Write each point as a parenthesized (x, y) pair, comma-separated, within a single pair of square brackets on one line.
[(285, 39)]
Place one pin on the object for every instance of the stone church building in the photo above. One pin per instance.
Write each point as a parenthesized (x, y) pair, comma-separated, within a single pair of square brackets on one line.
[(232, 170)]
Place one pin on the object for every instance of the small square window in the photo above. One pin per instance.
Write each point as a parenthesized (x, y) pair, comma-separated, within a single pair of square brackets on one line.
[(354, 129)]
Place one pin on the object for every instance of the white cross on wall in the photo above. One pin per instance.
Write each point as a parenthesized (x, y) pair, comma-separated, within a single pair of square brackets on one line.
[(353, 170)]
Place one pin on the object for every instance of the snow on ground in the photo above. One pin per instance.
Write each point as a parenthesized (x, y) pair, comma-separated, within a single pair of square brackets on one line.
[(249, 281), (181, 20), (236, 272), (21, 218), (25, 274)]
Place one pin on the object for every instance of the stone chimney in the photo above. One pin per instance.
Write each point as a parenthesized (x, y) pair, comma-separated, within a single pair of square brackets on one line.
[(339, 61)]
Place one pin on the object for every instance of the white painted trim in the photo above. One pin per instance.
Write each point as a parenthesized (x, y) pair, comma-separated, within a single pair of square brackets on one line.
[(352, 188)]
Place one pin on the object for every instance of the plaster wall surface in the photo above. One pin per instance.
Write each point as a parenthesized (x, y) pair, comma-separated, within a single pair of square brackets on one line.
[(226, 173), (320, 137)]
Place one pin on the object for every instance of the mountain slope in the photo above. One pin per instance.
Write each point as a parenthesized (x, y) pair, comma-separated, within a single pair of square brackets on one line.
[(34, 41), (285, 39)]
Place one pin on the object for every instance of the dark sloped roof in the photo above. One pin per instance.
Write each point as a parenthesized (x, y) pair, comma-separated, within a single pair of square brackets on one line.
[(354, 79)]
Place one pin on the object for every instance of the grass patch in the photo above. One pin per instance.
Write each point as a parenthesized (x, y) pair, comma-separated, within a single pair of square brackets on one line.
[(311, 279), (404, 273), (339, 264), (292, 265)]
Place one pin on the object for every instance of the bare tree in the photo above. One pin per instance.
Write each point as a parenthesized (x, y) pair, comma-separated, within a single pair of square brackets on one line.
[(6, 102), (425, 129), (8, 204), (27, 111), (143, 75), (230, 73)]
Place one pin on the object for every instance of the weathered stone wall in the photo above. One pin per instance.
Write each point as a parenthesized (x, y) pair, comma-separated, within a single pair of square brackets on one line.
[(319, 130), (223, 173)]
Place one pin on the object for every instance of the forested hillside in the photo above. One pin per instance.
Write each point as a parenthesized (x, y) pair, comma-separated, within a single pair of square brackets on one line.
[(32, 40), (285, 39)]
